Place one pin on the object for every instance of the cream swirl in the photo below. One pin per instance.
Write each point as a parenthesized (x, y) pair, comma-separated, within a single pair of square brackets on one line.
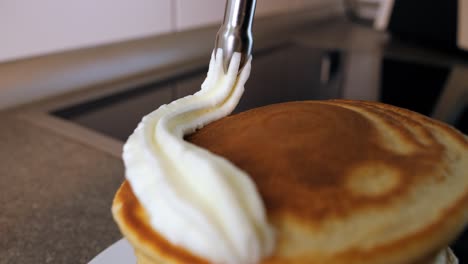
[(194, 198), (445, 256)]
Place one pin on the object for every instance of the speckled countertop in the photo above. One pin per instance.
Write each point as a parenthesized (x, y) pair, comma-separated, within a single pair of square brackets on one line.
[(55, 196)]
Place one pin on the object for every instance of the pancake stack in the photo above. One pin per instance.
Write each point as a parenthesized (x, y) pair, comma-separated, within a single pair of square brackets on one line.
[(343, 182)]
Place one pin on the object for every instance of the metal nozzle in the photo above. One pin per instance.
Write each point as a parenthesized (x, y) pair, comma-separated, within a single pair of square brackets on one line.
[(235, 34)]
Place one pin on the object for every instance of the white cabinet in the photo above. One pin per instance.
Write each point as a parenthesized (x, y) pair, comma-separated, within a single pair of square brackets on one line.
[(195, 13), (32, 28)]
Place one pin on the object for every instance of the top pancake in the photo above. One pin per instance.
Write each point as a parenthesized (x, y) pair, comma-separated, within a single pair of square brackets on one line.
[(349, 181)]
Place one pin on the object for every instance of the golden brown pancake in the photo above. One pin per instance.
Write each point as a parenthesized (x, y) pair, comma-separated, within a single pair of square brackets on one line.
[(343, 182)]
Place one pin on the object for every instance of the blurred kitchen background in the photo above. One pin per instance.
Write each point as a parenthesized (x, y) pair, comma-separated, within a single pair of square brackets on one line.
[(77, 76)]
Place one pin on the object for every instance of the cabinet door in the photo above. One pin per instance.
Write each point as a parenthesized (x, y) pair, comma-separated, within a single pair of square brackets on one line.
[(311, 74), (292, 73), (266, 81), (32, 28), (191, 14)]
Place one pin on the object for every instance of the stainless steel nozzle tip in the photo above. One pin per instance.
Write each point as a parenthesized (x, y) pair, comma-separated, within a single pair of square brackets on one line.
[(235, 34)]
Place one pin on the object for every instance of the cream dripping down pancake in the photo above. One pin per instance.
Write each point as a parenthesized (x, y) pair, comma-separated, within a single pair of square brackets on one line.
[(316, 182), (194, 198)]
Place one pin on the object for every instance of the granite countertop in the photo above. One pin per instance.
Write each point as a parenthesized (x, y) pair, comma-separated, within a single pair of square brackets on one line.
[(56, 195)]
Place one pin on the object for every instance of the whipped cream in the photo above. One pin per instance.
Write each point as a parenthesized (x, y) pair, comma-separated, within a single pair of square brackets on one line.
[(194, 198), (446, 256)]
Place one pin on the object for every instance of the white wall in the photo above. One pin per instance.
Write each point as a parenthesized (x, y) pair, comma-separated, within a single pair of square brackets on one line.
[(31, 28)]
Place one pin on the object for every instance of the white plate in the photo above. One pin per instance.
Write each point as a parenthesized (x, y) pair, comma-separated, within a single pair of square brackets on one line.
[(118, 253), (122, 253)]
